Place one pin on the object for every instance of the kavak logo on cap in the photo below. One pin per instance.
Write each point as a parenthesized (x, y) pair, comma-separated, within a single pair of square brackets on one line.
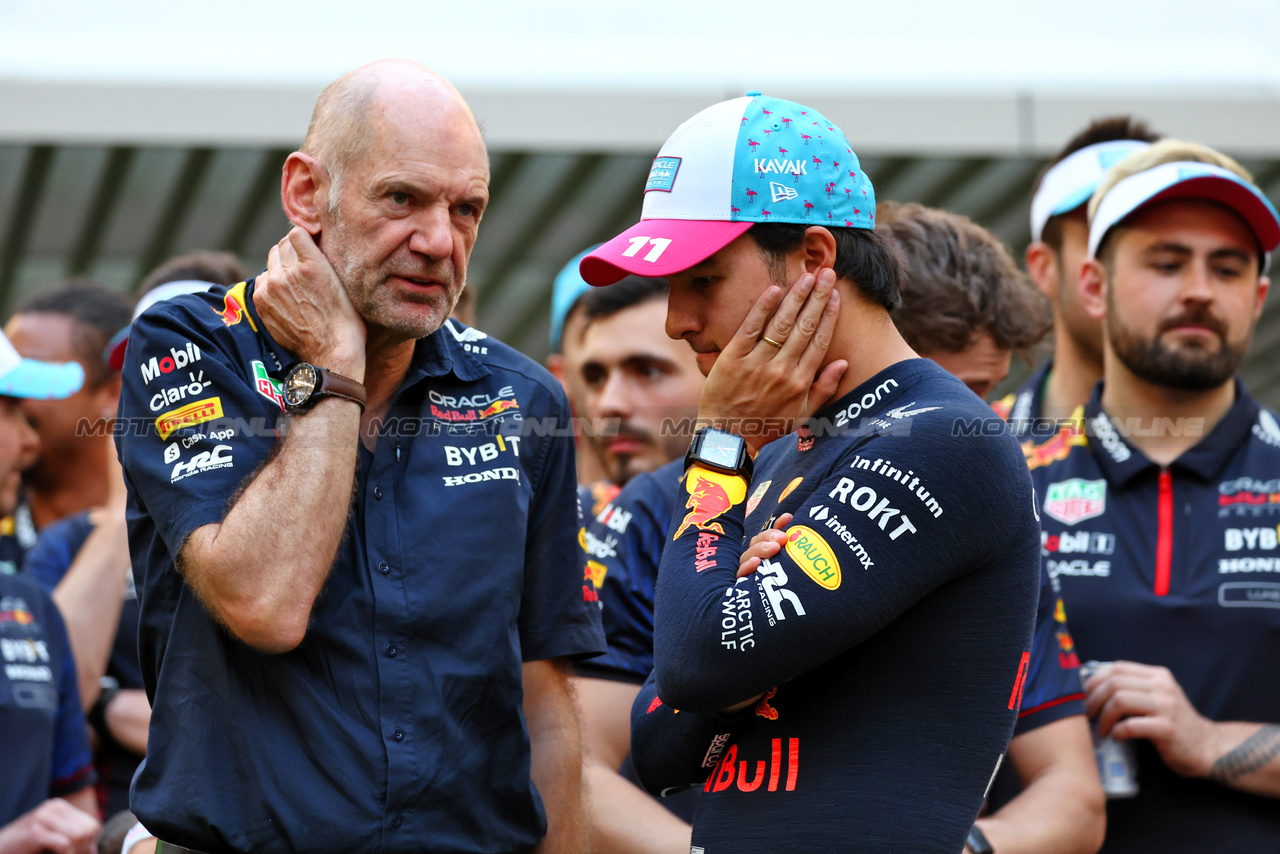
[(750, 160)]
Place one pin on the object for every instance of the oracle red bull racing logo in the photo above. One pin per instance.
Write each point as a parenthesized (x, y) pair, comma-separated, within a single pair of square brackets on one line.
[(473, 408), (711, 495)]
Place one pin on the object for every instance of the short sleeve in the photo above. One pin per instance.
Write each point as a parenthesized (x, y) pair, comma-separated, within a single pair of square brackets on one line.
[(1052, 690), (197, 425), (555, 617)]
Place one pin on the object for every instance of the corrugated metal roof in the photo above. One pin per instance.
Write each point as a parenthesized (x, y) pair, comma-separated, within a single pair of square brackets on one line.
[(114, 212)]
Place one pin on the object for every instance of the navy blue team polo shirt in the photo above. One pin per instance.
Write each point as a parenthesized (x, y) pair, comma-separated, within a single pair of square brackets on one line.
[(397, 724), (43, 741), (1179, 567), (890, 638)]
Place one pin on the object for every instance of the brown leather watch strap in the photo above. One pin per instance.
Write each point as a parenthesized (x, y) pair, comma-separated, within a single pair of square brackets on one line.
[(336, 385)]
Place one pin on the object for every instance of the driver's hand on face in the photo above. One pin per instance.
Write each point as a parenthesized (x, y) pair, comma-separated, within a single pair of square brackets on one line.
[(306, 308), (763, 391)]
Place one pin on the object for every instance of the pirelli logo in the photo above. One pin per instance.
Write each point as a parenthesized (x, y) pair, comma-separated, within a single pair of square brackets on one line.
[(184, 416)]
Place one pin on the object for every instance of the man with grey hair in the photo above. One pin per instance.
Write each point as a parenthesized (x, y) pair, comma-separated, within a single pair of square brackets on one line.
[(356, 569)]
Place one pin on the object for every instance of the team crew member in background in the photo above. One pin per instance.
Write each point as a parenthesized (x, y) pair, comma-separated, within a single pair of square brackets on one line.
[(966, 305), (641, 386), (895, 616), (1169, 505), (379, 671), (46, 788), (83, 560), (564, 361), (72, 473), (1059, 236)]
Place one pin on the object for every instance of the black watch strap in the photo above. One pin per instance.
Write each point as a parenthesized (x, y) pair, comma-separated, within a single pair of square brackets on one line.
[(98, 714), (722, 451)]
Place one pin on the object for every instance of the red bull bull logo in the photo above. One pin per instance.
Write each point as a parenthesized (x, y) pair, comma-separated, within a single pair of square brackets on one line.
[(233, 307), (764, 710), (498, 407), (1057, 448), (711, 495)]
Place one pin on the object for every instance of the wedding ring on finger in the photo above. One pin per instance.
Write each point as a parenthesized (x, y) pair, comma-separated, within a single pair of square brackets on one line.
[(766, 339)]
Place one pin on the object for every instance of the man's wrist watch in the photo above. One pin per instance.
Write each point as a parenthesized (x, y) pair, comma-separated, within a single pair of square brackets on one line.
[(721, 451), (304, 385), (977, 842)]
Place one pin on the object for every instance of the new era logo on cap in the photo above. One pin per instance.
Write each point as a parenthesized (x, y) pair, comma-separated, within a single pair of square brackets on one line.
[(749, 160)]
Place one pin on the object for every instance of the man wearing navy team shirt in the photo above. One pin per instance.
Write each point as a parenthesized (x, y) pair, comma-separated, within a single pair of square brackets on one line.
[(356, 572), (872, 671), (46, 788), (1168, 496)]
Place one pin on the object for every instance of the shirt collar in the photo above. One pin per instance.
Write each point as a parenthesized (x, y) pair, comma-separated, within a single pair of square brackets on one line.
[(435, 355), (1122, 462), (442, 353)]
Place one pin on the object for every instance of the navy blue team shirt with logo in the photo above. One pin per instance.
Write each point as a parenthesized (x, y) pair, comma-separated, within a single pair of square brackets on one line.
[(43, 741), (1176, 566), (889, 640), (397, 724), (48, 562)]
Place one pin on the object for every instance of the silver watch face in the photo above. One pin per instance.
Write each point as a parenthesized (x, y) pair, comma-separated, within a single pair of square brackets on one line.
[(299, 384), (720, 449)]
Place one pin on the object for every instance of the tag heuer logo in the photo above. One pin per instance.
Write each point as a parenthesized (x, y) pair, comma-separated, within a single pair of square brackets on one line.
[(1075, 500)]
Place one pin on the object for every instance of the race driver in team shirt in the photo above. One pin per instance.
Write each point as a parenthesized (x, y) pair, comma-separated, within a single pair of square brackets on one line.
[(1168, 496), (885, 647), (963, 303)]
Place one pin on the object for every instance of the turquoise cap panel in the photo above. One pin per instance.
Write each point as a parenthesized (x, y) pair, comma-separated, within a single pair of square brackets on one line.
[(793, 165)]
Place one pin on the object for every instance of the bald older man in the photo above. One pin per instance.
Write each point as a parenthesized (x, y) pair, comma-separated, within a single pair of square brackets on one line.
[(356, 567)]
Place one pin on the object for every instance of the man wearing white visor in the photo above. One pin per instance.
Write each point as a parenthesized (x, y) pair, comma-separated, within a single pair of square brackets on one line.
[(1171, 499), (1059, 234), (854, 690)]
